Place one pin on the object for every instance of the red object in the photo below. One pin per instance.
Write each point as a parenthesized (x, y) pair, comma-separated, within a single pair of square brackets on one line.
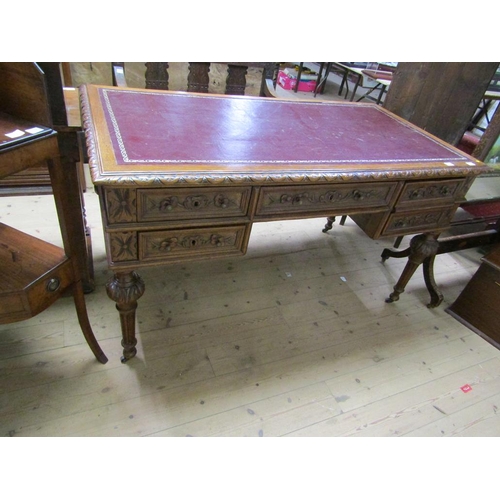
[(288, 83), (466, 388), (214, 131), (488, 208)]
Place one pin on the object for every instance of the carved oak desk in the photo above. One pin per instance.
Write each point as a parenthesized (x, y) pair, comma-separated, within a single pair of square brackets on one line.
[(184, 176)]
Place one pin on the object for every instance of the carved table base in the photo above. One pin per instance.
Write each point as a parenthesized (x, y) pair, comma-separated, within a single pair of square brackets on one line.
[(126, 288), (422, 250)]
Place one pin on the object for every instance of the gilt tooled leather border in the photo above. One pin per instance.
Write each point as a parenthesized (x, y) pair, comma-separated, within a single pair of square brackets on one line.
[(281, 176)]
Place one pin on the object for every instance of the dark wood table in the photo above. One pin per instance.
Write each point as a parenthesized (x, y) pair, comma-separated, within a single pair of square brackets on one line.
[(184, 176), (34, 273)]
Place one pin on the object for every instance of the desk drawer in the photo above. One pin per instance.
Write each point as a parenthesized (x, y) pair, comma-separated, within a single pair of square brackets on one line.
[(165, 204), (414, 222), (324, 199), (186, 244), (430, 193), (35, 297)]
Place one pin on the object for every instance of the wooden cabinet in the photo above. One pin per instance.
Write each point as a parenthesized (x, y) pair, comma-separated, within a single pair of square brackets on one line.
[(477, 307)]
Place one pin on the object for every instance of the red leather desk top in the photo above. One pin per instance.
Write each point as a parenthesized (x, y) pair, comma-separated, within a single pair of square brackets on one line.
[(162, 132)]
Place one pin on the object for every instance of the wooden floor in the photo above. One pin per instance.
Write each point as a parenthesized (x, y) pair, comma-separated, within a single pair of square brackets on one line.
[(294, 339)]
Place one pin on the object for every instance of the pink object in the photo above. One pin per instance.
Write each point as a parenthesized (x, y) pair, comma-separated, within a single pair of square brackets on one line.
[(288, 83)]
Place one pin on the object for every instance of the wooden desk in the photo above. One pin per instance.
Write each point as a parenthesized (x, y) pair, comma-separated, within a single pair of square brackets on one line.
[(184, 176)]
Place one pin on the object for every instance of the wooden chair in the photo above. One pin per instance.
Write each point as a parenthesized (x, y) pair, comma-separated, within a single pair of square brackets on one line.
[(198, 79), (35, 92)]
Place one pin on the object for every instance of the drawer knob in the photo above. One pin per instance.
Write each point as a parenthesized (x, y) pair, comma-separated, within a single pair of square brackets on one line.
[(53, 284), (168, 204), (221, 201), (167, 245)]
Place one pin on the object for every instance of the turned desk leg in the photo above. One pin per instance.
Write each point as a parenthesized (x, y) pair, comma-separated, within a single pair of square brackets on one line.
[(329, 224), (422, 249), (126, 288), (331, 220)]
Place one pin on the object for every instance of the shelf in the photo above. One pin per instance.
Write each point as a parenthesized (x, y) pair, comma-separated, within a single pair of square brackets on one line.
[(34, 274)]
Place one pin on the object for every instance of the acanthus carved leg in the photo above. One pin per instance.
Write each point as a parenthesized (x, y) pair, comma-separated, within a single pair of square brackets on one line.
[(423, 249), (126, 288)]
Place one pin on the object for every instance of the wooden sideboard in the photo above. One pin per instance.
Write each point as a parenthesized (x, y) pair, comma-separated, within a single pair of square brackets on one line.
[(185, 176)]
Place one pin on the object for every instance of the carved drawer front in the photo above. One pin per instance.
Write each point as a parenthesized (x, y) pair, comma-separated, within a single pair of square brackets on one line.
[(414, 222), (191, 243), (177, 204), (430, 193), (325, 199)]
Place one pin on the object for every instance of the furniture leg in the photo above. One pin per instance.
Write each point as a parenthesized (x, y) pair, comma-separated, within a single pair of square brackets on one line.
[(83, 319), (422, 247), (329, 224), (299, 74), (318, 79), (331, 220), (358, 81), (74, 207), (325, 78), (68, 199), (396, 254), (126, 288), (430, 283), (341, 88)]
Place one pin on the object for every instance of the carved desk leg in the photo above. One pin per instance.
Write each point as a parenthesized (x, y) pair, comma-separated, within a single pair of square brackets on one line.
[(422, 249), (331, 220), (329, 224), (126, 288)]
